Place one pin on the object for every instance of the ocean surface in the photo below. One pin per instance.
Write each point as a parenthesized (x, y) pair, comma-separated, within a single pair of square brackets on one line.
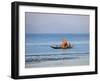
[(38, 52)]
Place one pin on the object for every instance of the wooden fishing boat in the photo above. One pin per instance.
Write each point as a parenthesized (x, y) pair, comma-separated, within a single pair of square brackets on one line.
[(59, 47)]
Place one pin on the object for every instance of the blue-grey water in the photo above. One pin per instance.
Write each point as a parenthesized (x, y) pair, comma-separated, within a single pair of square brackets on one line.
[(38, 50)]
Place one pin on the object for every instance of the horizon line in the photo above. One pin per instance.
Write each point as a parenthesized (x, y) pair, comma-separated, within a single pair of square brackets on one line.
[(56, 33)]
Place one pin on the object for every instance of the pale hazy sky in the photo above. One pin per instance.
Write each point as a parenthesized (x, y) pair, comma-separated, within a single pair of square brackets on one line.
[(56, 23)]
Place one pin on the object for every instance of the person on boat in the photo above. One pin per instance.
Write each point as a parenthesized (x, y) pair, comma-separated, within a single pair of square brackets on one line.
[(65, 44)]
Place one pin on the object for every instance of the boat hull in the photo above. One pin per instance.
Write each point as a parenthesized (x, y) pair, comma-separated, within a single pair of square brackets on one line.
[(59, 47)]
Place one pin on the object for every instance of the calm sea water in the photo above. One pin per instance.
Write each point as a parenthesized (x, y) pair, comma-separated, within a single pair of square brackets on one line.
[(37, 47)]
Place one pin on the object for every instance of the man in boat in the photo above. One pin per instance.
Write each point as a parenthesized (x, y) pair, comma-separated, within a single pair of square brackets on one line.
[(65, 44)]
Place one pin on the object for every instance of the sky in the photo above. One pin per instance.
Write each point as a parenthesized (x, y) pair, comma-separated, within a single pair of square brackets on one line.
[(56, 23)]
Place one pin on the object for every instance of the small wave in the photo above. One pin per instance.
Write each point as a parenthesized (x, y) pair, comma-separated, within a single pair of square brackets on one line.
[(48, 59), (55, 53), (57, 43)]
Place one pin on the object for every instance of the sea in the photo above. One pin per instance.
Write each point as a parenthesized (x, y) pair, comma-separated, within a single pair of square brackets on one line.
[(38, 51)]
